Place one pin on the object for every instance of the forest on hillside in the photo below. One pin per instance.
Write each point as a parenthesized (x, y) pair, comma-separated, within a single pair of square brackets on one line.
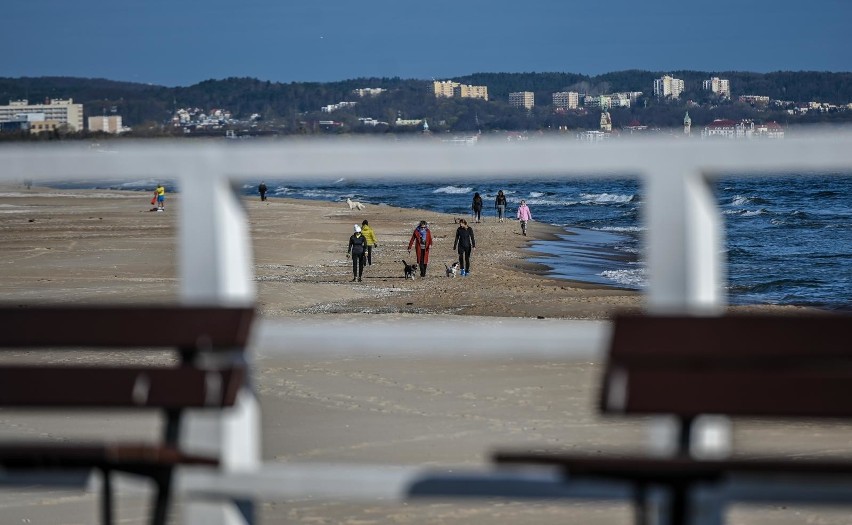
[(289, 106)]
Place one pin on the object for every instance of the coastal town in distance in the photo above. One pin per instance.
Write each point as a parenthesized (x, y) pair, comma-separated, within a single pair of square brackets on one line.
[(449, 110)]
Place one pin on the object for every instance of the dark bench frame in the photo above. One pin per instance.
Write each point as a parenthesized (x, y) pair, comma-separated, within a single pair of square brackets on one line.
[(735, 365), (190, 331)]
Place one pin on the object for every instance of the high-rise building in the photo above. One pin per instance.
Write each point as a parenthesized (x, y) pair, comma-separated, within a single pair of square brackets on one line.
[(718, 86), (522, 99), (59, 110), (566, 100), (668, 87)]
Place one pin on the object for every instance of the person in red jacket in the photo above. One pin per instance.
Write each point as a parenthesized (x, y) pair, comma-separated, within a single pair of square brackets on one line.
[(421, 239)]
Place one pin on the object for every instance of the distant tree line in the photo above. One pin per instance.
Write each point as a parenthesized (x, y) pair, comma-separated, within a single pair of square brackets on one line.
[(295, 107)]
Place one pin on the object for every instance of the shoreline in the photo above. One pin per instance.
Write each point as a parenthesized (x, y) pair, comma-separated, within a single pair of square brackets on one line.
[(299, 251)]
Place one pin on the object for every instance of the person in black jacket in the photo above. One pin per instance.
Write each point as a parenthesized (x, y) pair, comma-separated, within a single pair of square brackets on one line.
[(477, 206), (465, 243), (358, 250), (500, 204), (262, 190)]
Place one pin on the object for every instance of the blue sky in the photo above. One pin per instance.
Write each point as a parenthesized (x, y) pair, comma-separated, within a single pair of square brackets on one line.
[(182, 42)]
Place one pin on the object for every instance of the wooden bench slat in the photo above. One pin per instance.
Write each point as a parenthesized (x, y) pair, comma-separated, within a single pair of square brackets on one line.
[(736, 392), (738, 337), (105, 387), (659, 469), (125, 326), (61, 455)]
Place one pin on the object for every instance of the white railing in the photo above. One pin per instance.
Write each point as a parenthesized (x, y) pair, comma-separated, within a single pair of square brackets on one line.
[(683, 254)]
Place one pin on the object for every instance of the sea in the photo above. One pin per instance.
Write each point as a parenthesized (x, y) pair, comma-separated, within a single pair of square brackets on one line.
[(788, 240)]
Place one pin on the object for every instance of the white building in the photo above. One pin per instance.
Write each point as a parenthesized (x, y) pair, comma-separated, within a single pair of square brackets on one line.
[(566, 100), (368, 92), (59, 110), (668, 87), (718, 86), (522, 99)]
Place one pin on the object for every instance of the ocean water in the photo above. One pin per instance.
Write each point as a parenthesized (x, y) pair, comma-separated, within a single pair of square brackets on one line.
[(788, 240)]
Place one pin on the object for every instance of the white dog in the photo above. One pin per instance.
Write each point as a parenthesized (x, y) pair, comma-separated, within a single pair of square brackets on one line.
[(354, 204)]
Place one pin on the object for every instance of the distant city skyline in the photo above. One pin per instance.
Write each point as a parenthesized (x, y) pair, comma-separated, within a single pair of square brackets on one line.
[(182, 43)]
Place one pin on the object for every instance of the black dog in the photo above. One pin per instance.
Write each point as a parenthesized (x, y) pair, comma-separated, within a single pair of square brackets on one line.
[(409, 269)]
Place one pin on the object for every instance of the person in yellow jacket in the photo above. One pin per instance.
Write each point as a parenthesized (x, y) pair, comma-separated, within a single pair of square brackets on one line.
[(161, 197), (370, 235)]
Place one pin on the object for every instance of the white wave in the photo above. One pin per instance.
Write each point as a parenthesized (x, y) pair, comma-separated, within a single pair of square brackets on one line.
[(605, 198), (453, 190), (740, 200), (634, 277), (536, 194), (753, 213), (138, 184), (617, 229), (547, 202), (338, 181)]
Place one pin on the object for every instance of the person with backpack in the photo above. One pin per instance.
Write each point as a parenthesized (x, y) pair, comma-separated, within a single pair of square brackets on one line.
[(477, 206), (421, 239), (357, 250)]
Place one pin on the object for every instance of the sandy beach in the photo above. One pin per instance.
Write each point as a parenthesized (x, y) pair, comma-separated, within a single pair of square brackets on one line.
[(76, 246)]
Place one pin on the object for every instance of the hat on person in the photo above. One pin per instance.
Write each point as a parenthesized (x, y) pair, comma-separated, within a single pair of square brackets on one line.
[(357, 229)]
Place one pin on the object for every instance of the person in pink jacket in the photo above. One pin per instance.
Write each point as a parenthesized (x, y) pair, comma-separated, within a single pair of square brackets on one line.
[(524, 215)]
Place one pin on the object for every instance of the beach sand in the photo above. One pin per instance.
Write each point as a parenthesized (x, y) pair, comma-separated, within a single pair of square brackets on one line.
[(76, 247)]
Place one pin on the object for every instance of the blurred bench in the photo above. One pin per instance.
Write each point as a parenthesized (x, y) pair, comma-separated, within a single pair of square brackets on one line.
[(749, 365), (192, 383)]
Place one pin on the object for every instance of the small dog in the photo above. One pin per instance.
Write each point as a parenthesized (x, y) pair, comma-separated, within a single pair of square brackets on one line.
[(452, 269), (409, 269), (354, 204)]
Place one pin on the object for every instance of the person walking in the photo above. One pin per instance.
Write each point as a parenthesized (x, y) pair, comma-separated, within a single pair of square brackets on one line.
[(370, 235), (421, 239), (477, 206), (500, 204), (465, 243), (161, 197), (262, 190), (524, 215), (357, 250)]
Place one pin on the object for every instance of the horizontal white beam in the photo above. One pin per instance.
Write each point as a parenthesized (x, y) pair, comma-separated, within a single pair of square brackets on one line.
[(389, 484), (441, 337), (367, 159)]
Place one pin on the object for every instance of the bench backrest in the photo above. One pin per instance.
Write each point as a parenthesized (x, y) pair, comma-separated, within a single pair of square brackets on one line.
[(186, 330), (738, 365)]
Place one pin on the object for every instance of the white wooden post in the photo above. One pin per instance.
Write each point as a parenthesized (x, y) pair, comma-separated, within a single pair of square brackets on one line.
[(686, 270), (216, 269)]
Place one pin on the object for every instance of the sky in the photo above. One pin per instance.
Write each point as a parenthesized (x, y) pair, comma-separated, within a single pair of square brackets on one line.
[(183, 42)]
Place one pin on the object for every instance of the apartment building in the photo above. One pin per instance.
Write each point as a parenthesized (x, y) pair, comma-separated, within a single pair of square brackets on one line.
[(368, 92), (107, 124), (522, 99), (65, 112), (668, 87), (450, 89), (718, 86), (469, 91), (566, 100)]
